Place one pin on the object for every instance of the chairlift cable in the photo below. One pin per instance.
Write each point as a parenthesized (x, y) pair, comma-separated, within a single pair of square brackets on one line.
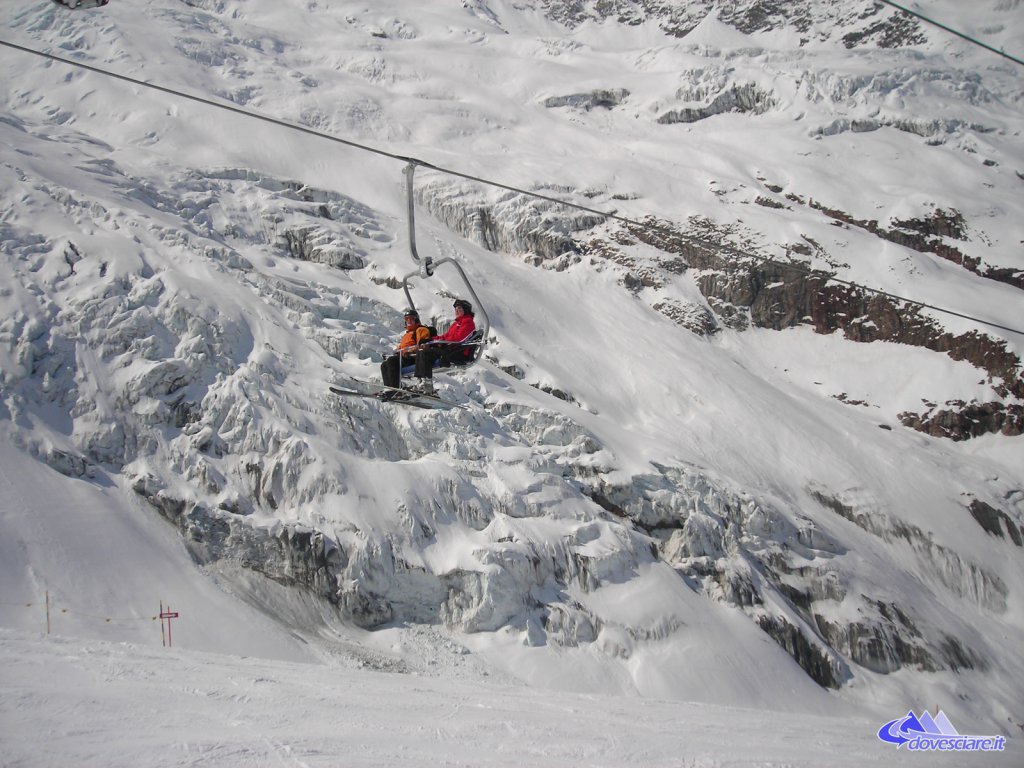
[(952, 31), (413, 162), (211, 103)]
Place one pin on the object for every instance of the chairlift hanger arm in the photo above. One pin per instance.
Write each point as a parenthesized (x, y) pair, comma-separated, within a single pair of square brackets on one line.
[(426, 265)]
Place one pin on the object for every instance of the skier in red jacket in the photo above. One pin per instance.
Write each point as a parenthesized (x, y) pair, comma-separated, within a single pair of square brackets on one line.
[(448, 348)]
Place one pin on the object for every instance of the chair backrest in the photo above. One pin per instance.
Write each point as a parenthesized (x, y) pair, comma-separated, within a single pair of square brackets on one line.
[(475, 343)]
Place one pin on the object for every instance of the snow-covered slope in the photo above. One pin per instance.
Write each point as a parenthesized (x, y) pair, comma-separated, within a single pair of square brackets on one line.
[(681, 472), (192, 708)]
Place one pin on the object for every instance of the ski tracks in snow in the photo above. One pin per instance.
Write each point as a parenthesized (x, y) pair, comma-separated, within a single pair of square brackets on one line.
[(116, 705)]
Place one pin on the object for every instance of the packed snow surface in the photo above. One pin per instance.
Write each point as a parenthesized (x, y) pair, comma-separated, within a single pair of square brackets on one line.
[(121, 706)]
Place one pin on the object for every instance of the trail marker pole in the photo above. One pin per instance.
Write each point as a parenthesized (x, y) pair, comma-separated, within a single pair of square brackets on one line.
[(47, 611), (168, 615)]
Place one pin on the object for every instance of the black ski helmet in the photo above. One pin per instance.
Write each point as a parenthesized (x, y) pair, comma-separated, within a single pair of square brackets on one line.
[(411, 313), (466, 306)]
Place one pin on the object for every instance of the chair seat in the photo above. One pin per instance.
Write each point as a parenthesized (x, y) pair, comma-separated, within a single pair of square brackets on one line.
[(473, 343)]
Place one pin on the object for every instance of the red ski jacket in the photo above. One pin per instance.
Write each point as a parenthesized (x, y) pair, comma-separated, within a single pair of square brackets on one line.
[(459, 330)]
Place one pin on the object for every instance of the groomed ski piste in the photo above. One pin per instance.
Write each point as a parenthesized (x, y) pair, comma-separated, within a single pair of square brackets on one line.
[(181, 286)]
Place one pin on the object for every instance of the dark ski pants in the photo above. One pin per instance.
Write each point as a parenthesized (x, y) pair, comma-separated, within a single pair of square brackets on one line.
[(391, 368), (440, 356)]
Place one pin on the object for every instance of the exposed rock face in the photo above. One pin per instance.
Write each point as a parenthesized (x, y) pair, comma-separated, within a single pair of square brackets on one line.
[(599, 99), (290, 555), (315, 244), (675, 19), (960, 577), (787, 573), (337, 244), (854, 24), (893, 32), (962, 421), (693, 317), (511, 223), (997, 522), (929, 235), (737, 98), (778, 297)]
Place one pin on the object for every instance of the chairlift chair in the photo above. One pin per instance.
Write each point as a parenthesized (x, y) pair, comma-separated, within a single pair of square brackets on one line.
[(427, 266)]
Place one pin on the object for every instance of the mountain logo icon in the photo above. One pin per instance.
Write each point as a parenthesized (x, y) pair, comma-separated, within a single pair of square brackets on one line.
[(903, 729), (927, 732)]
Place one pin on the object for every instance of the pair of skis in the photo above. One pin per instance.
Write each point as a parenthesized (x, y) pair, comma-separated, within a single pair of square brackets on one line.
[(410, 397)]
